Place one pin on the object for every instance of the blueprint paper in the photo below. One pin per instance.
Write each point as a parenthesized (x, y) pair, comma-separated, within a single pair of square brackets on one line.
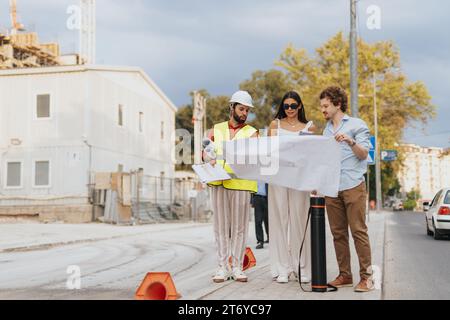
[(303, 163), (207, 173)]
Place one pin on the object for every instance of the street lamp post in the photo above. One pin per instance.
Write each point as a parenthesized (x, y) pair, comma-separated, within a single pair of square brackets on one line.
[(377, 147), (199, 106), (353, 59), (377, 157)]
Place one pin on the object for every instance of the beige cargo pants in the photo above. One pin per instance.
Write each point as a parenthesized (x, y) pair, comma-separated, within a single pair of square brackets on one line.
[(231, 221)]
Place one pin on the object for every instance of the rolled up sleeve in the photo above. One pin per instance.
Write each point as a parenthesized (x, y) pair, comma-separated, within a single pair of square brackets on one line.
[(362, 135)]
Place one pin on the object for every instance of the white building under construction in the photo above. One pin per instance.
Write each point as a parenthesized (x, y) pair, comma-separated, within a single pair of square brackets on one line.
[(63, 119), (58, 124)]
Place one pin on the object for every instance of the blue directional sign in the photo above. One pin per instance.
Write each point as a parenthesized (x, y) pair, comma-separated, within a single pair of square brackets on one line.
[(371, 158), (388, 155)]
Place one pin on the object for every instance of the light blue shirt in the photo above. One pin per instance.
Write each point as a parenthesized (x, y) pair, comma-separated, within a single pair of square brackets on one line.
[(261, 189), (352, 168)]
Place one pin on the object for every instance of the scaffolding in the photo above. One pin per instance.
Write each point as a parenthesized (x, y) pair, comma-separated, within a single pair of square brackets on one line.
[(23, 50)]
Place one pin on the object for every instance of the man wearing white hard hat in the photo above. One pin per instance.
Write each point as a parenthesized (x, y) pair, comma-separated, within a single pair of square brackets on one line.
[(231, 198)]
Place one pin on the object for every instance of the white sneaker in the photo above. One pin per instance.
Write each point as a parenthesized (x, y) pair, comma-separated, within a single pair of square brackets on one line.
[(305, 279), (238, 275), (283, 279), (222, 275)]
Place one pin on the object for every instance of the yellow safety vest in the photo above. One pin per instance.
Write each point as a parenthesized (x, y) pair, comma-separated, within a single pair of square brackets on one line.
[(222, 134)]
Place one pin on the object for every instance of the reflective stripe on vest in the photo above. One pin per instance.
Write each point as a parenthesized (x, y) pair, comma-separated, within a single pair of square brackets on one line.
[(222, 134)]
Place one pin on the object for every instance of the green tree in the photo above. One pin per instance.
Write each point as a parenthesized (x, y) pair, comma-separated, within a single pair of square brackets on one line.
[(400, 101), (267, 89), (217, 110), (183, 118), (411, 200)]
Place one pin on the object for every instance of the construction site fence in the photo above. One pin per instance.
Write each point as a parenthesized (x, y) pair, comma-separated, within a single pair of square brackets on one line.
[(153, 200)]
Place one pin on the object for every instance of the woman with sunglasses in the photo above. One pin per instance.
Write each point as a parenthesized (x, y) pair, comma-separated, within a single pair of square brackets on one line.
[(288, 208)]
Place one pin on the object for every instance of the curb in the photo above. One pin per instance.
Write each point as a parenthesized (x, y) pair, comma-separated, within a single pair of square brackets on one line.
[(46, 246), (378, 257)]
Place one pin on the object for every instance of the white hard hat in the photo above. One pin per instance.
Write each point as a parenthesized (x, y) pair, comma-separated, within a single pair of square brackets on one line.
[(242, 97)]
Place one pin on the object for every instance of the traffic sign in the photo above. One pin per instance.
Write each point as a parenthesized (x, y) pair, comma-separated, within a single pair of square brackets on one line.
[(371, 158), (388, 155)]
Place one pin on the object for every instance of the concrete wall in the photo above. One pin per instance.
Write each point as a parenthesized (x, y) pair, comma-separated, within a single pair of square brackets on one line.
[(48, 213), (57, 139), (114, 145)]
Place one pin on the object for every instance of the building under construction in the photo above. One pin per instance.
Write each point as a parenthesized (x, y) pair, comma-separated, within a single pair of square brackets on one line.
[(23, 50), (19, 49), (67, 125)]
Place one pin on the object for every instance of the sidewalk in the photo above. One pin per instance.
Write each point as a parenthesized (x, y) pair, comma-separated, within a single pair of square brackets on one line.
[(27, 237), (35, 236), (261, 286)]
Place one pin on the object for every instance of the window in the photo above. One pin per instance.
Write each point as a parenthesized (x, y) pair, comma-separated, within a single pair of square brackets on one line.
[(42, 173), (435, 200), (14, 175), (120, 116), (43, 106), (447, 198), (162, 130), (441, 198), (141, 122)]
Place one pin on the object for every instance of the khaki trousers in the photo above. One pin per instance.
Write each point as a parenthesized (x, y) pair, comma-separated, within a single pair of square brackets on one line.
[(231, 221), (349, 210), (288, 215)]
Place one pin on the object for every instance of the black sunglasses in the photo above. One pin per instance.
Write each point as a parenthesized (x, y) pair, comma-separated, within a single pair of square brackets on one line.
[(293, 106)]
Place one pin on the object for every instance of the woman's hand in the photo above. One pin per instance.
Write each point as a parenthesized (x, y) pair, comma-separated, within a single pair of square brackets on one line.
[(213, 162)]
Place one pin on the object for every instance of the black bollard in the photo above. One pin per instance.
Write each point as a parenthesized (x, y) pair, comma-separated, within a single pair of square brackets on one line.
[(318, 246)]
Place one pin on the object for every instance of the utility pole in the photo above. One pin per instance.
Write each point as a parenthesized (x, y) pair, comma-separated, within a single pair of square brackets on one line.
[(377, 146), (353, 60), (88, 31), (199, 107)]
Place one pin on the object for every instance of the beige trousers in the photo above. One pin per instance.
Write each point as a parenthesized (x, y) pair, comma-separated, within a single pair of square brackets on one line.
[(231, 221), (288, 215), (349, 210)]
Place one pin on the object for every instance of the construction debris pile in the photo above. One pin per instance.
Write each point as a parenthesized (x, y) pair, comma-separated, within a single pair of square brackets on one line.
[(23, 50), (20, 49)]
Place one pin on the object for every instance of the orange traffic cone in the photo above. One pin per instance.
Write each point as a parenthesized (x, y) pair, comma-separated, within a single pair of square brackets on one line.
[(249, 260), (157, 286)]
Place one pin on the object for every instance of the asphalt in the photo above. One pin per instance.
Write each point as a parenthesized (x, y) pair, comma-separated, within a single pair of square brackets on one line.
[(416, 265), (114, 260)]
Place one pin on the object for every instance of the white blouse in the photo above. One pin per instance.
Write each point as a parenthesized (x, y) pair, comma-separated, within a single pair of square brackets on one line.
[(284, 132)]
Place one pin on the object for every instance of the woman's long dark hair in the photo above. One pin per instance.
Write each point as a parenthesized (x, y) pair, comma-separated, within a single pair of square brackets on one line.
[(281, 114)]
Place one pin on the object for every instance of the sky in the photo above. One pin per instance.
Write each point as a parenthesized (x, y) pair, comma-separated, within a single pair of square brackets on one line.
[(203, 44)]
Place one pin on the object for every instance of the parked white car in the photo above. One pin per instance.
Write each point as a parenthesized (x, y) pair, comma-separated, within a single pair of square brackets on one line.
[(398, 206), (438, 215)]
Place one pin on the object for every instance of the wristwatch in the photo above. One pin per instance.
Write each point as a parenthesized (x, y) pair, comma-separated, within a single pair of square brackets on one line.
[(353, 143)]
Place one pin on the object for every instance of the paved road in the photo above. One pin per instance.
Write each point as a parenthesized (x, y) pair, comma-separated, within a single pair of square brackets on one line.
[(416, 265), (110, 268), (113, 268)]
